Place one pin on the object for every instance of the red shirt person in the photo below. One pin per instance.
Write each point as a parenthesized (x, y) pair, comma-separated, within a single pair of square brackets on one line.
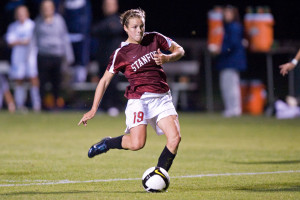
[(150, 101), (137, 63)]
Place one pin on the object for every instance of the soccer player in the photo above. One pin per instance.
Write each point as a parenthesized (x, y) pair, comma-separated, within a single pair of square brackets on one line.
[(23, 64), (285, 68), (140, 59)]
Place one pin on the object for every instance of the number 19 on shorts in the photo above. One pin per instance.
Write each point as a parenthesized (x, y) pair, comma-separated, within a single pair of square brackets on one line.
[(138, 117)]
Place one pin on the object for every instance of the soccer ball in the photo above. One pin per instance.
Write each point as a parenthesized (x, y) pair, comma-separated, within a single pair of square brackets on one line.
[(156, 179)]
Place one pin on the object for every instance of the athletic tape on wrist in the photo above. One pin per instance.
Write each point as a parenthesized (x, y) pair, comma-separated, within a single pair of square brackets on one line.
[(294, 61)]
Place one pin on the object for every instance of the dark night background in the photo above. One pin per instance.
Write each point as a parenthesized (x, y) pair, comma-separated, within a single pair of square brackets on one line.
[(178, 18), (187, 19)]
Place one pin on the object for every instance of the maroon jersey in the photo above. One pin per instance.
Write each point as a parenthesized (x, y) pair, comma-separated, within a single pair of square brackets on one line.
[(136, 62)]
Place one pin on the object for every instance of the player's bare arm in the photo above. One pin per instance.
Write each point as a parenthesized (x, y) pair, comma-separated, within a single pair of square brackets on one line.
[(176, 53), (100, 90), (19, 42), (285, 68)]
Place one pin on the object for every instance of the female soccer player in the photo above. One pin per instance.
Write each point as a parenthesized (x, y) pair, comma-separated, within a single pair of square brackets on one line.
[(139, 58)]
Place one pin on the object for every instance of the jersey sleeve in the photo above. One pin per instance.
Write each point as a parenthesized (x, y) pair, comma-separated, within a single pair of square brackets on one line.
[(163, 42), (115, 64), (10, 35)]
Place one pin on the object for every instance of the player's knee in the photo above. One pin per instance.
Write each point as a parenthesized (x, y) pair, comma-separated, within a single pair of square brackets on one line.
[(177, 140), (174, 141), (137, 145)]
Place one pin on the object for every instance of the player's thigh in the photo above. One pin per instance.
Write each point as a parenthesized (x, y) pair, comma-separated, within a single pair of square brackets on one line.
[(170, 126), (138, 135), (135, 114), (136, 123)]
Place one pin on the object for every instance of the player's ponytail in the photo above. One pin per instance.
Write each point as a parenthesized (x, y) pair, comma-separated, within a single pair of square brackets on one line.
[(132, 13)]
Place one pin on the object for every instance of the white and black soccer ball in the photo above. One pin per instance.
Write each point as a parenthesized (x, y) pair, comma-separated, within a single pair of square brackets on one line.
[(156, 179)]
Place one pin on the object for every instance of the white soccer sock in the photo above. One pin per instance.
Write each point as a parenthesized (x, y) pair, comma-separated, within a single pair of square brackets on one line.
[(80, 74), (35, 98), (20, 96)]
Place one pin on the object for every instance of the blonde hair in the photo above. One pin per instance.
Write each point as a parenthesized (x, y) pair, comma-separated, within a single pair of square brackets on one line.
[(132, 13)]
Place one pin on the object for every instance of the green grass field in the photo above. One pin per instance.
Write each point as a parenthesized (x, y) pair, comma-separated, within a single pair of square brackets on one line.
[(44, 156)]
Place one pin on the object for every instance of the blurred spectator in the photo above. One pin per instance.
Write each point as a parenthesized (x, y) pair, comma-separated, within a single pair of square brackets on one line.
[(5, 94), (109, 33), (23, 64), (230, 61), (9, 11), (34, 5), (77, 14), (53, 44)]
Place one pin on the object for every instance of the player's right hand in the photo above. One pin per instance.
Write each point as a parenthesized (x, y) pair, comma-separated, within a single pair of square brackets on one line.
[(87, 116)]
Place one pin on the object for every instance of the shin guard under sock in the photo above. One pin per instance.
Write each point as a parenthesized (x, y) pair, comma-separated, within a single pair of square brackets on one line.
[(115, 143), (166, 159)]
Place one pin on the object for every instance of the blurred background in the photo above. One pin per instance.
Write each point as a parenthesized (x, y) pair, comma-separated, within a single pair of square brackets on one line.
[(269, 40)]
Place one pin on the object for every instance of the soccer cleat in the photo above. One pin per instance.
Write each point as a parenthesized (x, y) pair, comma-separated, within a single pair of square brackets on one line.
[(99, 148)]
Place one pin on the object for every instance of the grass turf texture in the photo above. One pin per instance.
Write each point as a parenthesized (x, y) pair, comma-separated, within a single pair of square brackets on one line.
[(52, 147)]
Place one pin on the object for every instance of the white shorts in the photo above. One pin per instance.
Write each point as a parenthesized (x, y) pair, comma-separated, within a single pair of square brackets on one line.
[(24, 69), (149, 109)]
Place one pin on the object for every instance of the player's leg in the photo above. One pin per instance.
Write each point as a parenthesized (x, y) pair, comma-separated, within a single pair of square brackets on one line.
[(35, 94), (170, 126), (136, 127), (32, 73), (20, 94), (133, 141), (136, 139), (17, 73)]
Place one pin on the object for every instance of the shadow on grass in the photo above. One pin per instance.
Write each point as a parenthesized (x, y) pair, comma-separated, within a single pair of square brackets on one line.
[(295, 188), (281, 162), (261, 188), (15, 173), (69, 192)]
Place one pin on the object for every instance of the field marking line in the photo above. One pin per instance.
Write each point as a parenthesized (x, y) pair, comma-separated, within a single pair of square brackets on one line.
[(238, 174), (16, 181), (48, 182)]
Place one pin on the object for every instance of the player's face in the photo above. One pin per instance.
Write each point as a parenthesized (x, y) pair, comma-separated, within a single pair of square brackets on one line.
[(22, 14), (135, 30)]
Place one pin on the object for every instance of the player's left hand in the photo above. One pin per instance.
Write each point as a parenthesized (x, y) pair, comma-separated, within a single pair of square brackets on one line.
[(160, 58)]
